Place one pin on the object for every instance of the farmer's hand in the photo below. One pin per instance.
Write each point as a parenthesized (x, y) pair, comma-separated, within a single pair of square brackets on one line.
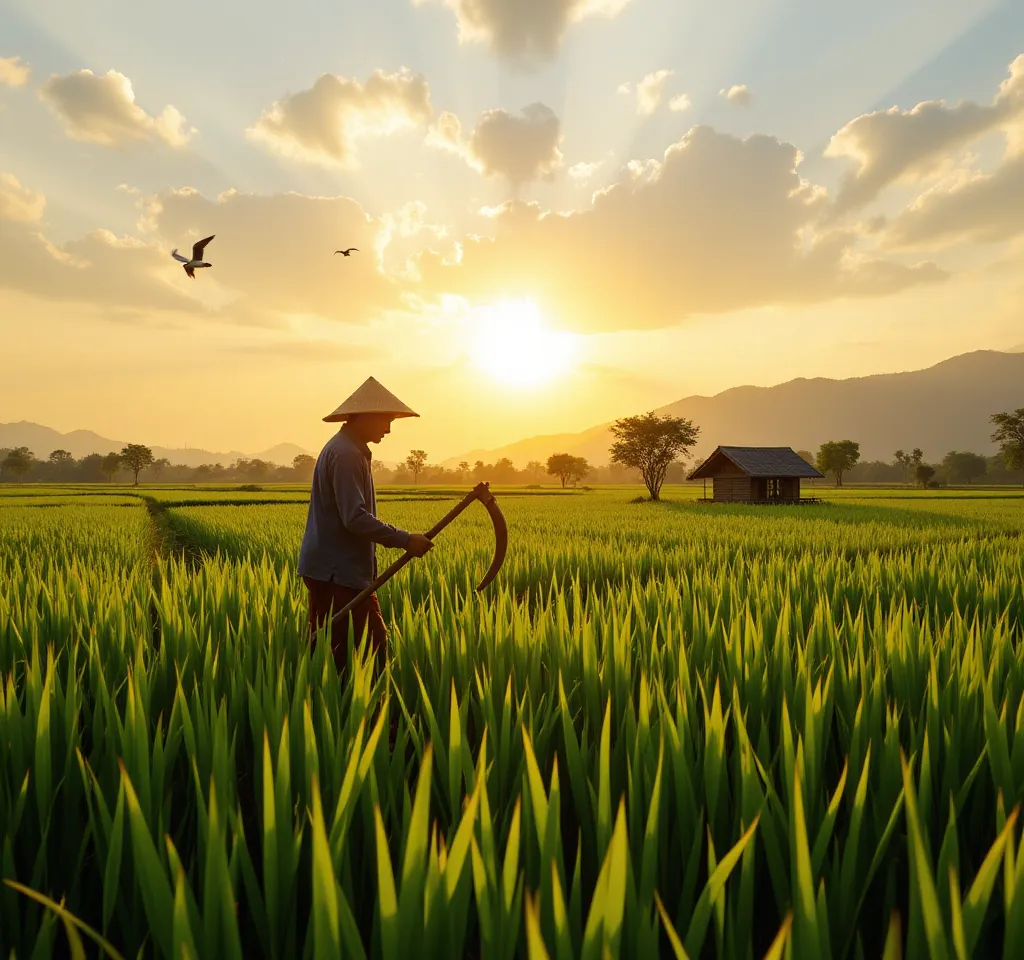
[(419, 545)]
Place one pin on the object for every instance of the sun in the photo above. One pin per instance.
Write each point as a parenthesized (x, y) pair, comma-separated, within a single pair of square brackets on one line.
[(510, 341)]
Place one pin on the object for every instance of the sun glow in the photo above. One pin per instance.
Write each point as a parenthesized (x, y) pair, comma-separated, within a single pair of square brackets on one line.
[(511, 342)]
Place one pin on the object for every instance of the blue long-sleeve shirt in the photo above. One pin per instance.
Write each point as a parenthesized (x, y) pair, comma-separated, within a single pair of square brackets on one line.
[(342, 528)]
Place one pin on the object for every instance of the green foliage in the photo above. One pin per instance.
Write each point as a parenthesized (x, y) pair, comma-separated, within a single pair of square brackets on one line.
[(136, 457), (17, 462), (1009, 434), (668, 731), (567, 467), (838, 456), (415, 462), (651, 444), (963, 467)]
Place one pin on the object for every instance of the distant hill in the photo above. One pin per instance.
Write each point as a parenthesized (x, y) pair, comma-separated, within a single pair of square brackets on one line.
[(80, 443), (941, 408)]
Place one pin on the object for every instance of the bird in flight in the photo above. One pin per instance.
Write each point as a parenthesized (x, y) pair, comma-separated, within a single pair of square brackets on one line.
[(197, 257), (348, 252)]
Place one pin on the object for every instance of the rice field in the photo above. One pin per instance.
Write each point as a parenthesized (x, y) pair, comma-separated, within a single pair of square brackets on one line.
[(665, 730)]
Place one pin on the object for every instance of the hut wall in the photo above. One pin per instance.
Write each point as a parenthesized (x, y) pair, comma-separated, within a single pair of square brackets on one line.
[(791, 488), (732, 489)]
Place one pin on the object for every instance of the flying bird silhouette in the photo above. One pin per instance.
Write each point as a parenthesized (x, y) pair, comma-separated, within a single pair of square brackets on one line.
[(348, 252), (197, 257)]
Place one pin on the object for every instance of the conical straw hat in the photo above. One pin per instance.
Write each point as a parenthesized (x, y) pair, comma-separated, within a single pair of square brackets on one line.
[(371, 397)]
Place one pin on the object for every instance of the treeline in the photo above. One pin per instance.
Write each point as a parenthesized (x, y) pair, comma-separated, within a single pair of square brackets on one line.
[(504, 471), (136, 462), (841, 459), (957, 468)]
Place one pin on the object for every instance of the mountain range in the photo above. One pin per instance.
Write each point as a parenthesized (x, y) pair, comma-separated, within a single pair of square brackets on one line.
[(941, 408), (80, 443)]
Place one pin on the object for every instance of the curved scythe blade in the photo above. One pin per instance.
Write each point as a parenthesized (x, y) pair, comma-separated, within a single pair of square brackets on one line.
[(500, 536)]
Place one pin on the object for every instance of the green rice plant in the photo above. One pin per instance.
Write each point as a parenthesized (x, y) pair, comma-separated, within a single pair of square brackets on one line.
[(667, 730)]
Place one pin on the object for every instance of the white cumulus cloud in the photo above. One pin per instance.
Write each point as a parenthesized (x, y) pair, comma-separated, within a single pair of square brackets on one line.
[(102, 109)]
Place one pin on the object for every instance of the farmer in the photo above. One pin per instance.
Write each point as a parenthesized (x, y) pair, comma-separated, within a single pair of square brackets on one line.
[(338, 555)]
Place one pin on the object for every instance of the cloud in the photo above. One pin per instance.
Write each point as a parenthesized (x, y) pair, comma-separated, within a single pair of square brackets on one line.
[(519, 148), (649, 90), (273, 258), (581, 172), (679, 104), (719, 224), (523, 30), (890, 145), (102, 109), (982, 208), (18, 203), (13, 73), (115, 273), (738, 93), (276, 252), (325, 123)]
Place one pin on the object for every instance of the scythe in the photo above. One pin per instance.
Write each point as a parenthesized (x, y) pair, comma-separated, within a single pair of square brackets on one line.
[(480, 492)]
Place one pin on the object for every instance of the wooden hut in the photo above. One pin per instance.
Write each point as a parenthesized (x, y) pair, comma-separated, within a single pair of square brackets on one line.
[(754, 475)]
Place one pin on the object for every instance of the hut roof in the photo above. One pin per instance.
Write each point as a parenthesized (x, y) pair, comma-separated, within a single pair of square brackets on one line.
[(760, 462)]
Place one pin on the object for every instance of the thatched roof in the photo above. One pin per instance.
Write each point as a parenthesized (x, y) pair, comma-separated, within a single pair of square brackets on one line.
[(759, 462)]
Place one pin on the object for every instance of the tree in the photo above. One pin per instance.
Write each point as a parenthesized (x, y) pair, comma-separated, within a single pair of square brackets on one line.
[(463, 468), (110, 464), (415, 462), (303, 465), (924, 473), (560, 465), (136, 458), (903, 460), (1009, 434), (18, 461), (916, 456), (837, 456), (504, 471), (61, 461), (159, 466), (964, 467), (578, 469), (535, 468), (650, 444)]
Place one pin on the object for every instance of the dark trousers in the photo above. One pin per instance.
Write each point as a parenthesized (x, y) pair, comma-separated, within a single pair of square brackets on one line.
[(327, 598)]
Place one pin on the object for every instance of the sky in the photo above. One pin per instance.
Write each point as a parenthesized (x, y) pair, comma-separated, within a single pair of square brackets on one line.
[(566, 211)]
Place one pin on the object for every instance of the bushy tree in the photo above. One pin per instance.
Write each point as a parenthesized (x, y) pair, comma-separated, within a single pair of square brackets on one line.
[(110, 464), (579, 469), (561, 465), (303, 465), (837, 456), (1009, 434), (924, 474), (136, 457), (964, 467), (18, 462), (415, 462), (651, 444)]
